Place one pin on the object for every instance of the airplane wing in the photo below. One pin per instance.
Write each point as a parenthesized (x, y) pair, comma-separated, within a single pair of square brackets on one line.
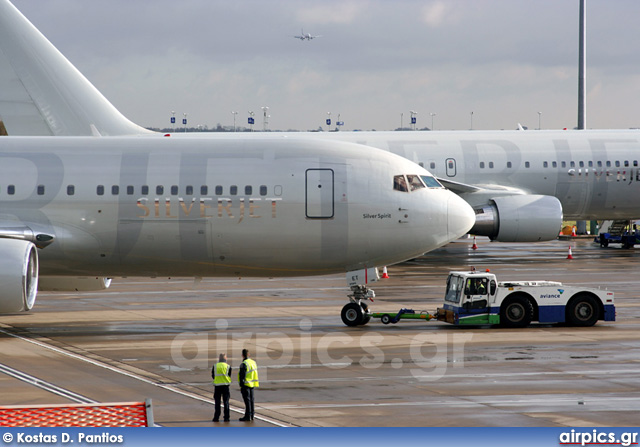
[(458, 188)]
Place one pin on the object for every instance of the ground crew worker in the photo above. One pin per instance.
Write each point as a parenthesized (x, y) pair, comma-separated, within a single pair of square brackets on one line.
[(221, 374), (248, 379)]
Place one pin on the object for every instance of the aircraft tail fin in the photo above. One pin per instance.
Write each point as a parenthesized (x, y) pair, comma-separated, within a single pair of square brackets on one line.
[(42, 93)]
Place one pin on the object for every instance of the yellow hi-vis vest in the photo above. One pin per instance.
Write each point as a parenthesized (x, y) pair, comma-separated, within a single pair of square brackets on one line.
[(222, 374), (251, 376)]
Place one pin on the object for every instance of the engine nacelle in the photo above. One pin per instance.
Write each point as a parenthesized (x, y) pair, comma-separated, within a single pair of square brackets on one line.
[(73, 284), (519, 218), (18, 275)]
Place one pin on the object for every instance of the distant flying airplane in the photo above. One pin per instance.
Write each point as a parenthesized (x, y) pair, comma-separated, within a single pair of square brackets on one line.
[(102, 197), (305, 36)]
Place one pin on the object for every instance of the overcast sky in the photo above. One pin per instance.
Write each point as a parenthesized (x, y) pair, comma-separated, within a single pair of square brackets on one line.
[(505, 60)]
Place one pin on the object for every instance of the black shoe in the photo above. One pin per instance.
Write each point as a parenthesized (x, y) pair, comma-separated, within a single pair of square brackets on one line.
[(226, 420), (244, 419), (215, 420)]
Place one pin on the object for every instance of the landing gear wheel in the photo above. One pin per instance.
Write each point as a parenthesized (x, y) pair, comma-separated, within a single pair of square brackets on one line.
[(604, 242), (517, 311), (386, 319), (352, 315), (582, 311)]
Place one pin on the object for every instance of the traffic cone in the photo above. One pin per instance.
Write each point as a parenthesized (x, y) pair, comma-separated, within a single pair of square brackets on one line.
[(474, 246), (570, 255), (573, 231), (385, 275)]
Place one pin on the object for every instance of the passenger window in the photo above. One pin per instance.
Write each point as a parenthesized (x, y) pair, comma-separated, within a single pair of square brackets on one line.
[(626, 163), (233, 190), (527, 164), (508, 164), (490, 165), (71, 190), (204, 190), (432, 165), (582, 164), (608, 164), (564, 164), (248, 190), (40, 190), (545, 164), (159, 190), (130, 190), (415, 182), (263, 190), (431, 182), (482, 165), (572, 164), (591, 164), (400, 183), (115, 190), (145, 190), (189, 190), (219, 190), (174, 190), (11, 189), (100, 190), (554, 164), (599, 164)]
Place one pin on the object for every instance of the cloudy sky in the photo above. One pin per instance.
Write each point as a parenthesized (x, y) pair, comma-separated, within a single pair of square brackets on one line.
[(505, 60)]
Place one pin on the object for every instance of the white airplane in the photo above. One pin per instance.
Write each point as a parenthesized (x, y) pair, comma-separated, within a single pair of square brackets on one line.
[(117, 200), (305, 36), (522, 184)]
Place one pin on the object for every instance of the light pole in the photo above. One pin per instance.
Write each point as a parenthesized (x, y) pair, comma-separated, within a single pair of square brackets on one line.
[(539, 120), (329, 122), (184, 121), (413, 119), (471, 120), (173, 120), (265, 118), (234, 120), (432, 115), (401, 120)]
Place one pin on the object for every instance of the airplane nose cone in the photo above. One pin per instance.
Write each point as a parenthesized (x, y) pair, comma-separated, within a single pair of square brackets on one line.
[(460, 217)]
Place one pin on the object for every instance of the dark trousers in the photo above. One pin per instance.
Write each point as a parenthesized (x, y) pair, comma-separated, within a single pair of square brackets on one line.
[(221, 393), (247, 396)]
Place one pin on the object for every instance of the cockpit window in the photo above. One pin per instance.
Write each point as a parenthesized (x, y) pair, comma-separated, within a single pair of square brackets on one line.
[(400, 183), (431, 182), (415, 182)]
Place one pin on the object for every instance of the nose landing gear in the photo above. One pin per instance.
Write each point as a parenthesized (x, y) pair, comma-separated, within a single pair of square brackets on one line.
[(356, 312)]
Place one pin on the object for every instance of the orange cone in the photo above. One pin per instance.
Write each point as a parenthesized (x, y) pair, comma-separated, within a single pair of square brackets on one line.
[(385, 275), (570, 255), (474, 246)]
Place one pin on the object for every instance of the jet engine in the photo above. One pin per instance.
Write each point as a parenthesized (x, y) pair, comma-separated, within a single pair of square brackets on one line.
[(73, 284), (18, 275), (519, 218)]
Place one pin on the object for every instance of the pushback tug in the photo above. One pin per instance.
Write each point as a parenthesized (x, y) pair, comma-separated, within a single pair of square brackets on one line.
[(477, 298)]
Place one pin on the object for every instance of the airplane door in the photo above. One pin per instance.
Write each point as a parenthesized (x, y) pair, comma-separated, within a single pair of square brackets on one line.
[(451, 167), (319, 194)]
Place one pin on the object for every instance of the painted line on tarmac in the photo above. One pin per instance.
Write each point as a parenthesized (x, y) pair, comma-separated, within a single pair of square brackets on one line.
[(131, 375), (44, 385)]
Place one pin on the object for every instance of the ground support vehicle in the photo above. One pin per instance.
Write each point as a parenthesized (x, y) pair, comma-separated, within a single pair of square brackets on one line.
[(477, 298)]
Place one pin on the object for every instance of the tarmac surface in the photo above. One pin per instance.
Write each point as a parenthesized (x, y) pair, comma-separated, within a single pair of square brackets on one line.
[(158, 338)]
